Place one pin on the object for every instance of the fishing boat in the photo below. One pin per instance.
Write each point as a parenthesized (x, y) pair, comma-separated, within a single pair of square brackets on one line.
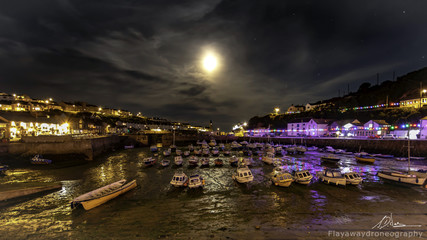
[(38, 159), (178, 152), (233, 161), (179, 179), (196, 181), (173, 147), (153, 148), (193, 161), (282, 179), (178, 160), (302, 177), (101, 195), (364, 159), (205, 162), (243, 175), (165, 162), (219, 162), (3, 169), (268, 159), (333, 177), (149, 161), (353, 178), (330, 158), (227, 153)]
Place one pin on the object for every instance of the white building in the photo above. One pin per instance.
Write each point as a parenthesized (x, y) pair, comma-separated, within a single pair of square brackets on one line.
[(308, 127), (373, 128)]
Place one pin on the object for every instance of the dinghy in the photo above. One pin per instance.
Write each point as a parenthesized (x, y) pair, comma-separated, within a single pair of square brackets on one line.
[(101, 195)]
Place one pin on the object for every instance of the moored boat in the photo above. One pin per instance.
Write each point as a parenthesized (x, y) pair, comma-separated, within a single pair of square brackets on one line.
[(333, 177), (196, 181), (165, 162), (219, 162), (178, 160), (179, 179), (205, 162), (330, 158), (3, 169), (38, 159), (268, 159), (302, 177), (149, 161), (153, 148), (282, 179), (243, 175), (178, 152), (167, 152), (353, 178), (402, 177), (300, 149), (364, 159), (101, 195), (193, 161), (233, 161)]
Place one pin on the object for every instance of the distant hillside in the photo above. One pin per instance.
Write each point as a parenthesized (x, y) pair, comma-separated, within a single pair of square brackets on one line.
[(405, 87)]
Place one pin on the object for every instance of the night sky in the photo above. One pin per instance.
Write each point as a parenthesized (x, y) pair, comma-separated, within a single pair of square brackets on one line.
[(145, 56)]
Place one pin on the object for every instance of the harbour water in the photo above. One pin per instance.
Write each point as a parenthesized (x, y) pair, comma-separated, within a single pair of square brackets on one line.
[(224, 209)]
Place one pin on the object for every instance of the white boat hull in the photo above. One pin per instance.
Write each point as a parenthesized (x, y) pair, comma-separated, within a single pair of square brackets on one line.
[(403, 178)]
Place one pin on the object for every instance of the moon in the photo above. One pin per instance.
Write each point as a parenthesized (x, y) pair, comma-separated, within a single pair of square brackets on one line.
[(210, 62)]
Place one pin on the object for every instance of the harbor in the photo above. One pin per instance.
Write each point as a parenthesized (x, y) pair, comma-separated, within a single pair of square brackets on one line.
[(222, 209)]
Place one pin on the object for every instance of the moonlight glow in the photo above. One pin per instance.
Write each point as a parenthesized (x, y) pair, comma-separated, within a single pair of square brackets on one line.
[(210, 63)]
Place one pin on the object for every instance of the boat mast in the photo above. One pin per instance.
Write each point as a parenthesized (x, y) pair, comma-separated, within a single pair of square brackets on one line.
[(173, 143), (409, 151)]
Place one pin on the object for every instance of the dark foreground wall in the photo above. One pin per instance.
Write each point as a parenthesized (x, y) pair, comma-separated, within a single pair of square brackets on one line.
[(395, 147)]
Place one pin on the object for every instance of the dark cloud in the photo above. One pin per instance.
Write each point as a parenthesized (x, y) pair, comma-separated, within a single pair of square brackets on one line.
[(145, 56)]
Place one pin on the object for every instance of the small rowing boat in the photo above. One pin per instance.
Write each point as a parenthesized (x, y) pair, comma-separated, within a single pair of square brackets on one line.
[(101, 195)]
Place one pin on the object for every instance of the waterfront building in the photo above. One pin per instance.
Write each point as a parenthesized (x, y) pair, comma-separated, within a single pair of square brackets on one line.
[(423, 128), (308, 127), (373, 128), (347, 128), (15, 125)]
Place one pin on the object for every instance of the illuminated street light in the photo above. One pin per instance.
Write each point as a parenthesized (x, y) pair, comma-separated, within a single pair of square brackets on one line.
[(277, 110)]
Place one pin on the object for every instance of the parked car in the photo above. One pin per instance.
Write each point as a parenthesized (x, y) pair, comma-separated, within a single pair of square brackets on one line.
[(388, 136), (374, 137)]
